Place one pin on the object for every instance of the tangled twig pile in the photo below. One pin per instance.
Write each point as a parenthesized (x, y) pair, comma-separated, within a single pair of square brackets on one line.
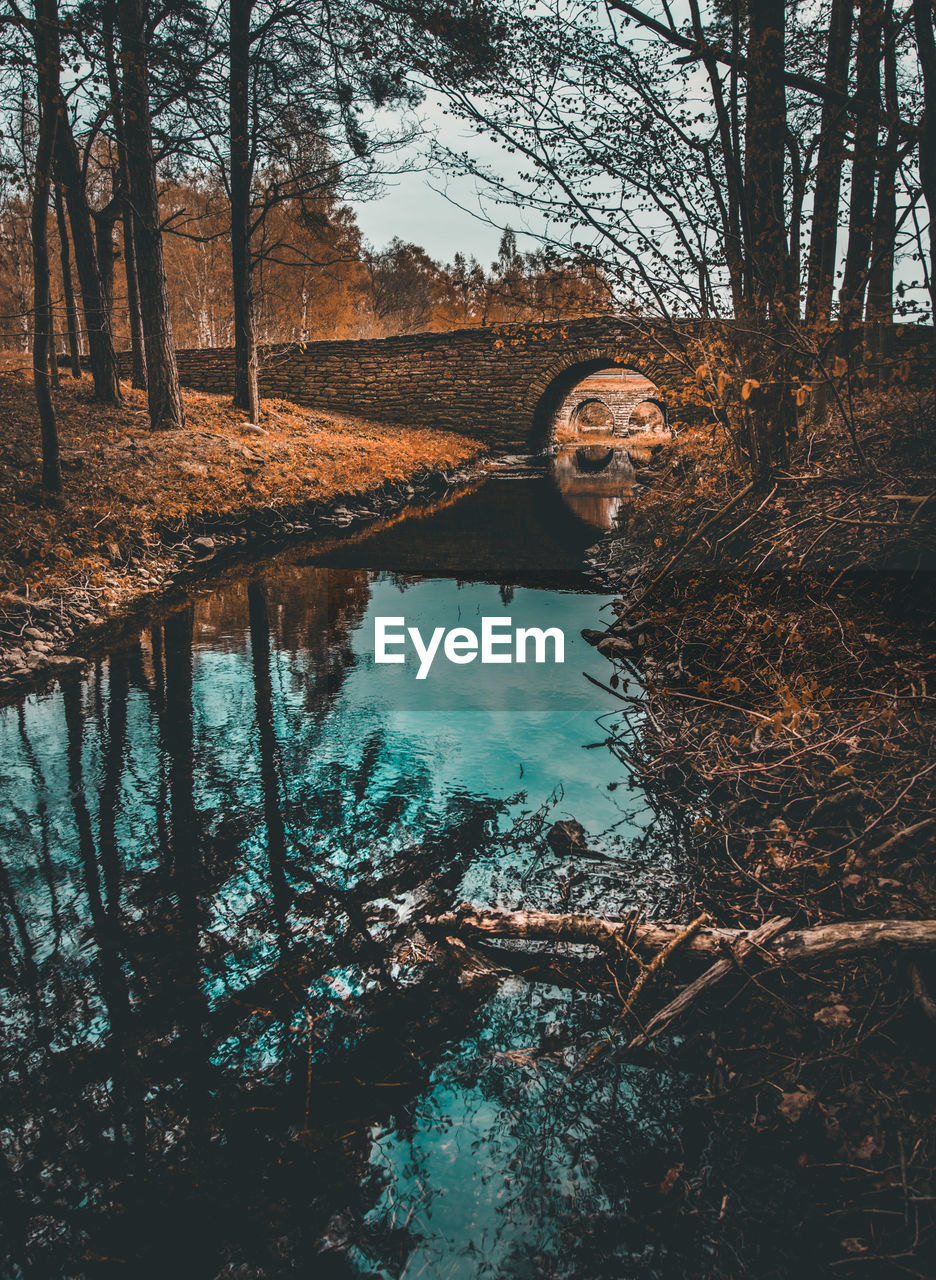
[(778, 686), (793, 696)]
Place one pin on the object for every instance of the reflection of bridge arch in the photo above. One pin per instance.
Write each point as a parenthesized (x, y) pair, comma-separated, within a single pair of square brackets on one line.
[(594, 494)]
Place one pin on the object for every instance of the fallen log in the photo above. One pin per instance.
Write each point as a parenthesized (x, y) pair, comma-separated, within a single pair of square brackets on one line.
[(752, 941), (646, 975), (839, 941)]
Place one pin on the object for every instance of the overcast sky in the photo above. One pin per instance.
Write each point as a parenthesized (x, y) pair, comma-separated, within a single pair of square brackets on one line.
[(414, 207), (412, 210)]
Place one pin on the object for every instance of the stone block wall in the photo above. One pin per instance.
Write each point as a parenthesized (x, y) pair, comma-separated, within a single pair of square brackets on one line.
[(503, 384), (620, 403)]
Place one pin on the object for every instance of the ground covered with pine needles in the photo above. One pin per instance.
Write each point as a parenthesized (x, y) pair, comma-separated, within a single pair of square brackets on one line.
[(134, 502)]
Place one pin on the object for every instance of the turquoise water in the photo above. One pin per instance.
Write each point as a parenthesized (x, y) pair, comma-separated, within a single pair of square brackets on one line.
[(225, 1050)]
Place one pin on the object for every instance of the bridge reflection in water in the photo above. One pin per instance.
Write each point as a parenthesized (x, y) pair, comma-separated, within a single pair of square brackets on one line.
[(595, 481)]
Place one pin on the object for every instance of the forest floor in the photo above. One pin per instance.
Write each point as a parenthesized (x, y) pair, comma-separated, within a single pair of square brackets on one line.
[(788, 664), (138, 507)]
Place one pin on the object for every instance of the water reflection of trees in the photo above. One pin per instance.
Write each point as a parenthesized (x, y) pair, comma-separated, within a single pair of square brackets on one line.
[(566, 1169), (184, 1081), (202, 1023), (313, 612)]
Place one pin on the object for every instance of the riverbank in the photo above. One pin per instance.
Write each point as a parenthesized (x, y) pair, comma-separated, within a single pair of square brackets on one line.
[(141, 509), (789, 709), (792, 646)]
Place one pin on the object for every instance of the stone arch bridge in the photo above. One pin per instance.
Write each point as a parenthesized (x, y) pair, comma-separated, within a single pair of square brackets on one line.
[(505, 384)]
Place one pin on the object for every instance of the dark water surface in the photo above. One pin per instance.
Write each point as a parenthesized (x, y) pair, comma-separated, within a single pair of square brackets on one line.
[(223, 1051)]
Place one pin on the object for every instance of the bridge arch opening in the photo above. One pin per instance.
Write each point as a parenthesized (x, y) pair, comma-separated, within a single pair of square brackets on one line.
[(649, 415), (592, 414), (558, 402)]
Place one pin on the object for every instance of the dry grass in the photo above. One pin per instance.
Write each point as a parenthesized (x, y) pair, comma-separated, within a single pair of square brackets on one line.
[(127, 488), (639, 440)]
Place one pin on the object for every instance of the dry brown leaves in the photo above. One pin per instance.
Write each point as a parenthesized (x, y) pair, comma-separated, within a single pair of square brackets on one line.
[(789, 713), (127, 487), (791, 683)]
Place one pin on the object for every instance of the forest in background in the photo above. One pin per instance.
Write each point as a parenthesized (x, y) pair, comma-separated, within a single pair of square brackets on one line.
[(191, 164), (320, 281)]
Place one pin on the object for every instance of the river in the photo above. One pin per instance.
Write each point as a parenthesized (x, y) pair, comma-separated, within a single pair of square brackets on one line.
[(224, 1051)]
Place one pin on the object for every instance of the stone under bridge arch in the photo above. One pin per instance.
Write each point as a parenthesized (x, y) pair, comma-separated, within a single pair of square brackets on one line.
[(656, 400), (577, 415)]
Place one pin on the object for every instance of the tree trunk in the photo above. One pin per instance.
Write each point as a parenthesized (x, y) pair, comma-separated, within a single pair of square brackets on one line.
[(47, 55), (831, 942), (923, 19), (246, 393), (769, 288), (162, 375), (880, 305), (137, 353), (799, 175), (864, 162), (137, 345), (769, 285), (751, 942), (879, 311), (104, 240), (71, 313), (100, 343), (821, 273)]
